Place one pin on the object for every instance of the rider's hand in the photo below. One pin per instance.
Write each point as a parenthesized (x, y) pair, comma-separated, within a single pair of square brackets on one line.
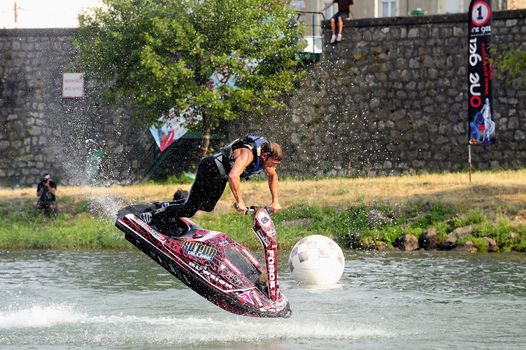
[(276, 207), (240, 207)]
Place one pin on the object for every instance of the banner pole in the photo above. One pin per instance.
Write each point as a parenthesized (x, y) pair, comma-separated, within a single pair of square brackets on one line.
[(469, 161), (481, 127)]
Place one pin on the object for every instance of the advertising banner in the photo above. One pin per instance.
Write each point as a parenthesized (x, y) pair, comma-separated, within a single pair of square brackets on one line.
[(481, 127), (170, 130)]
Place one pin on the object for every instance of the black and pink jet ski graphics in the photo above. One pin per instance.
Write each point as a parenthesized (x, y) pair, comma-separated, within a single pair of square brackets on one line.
[(212, 264)]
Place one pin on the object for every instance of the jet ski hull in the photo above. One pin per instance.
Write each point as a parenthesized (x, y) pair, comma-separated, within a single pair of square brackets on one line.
[(201, 259)]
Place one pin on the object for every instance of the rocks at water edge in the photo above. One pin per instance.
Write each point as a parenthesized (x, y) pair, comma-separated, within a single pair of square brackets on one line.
[(406, 242), (468, 247), (428, 240), (461, 239), (493, 247), (453, 237)]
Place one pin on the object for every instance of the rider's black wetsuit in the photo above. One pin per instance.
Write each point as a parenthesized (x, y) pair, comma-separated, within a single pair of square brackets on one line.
[(211, 179)]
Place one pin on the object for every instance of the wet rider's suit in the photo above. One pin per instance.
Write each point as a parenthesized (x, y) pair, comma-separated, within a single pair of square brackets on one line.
[(211, 179)]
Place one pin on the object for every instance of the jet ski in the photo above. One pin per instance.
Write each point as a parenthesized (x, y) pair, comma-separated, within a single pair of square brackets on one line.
[(211, 263)]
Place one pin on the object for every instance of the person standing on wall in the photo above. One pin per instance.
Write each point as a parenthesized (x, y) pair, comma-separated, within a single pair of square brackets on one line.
[(344, 8)]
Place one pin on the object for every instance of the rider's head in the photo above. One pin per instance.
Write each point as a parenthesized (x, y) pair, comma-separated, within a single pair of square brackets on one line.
[(272, 155)]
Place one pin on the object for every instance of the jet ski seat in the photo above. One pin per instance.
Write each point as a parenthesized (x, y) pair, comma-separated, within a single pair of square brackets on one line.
[(173, 227)]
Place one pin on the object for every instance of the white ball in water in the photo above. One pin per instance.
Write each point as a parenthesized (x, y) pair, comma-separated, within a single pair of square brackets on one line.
[(316, 260)]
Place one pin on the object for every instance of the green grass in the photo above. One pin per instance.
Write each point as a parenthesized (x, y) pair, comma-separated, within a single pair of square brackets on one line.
[(494, 206), (292, 225), (76, 228)]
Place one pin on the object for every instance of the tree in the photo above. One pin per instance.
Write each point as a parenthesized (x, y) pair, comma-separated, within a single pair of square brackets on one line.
[(159, 54), (512, 65)]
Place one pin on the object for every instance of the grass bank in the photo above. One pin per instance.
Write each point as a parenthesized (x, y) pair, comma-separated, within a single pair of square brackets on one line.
[(365, 213)]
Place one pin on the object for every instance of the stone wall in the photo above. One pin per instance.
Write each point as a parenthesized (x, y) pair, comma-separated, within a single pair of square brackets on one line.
[(41, 131), (389, 99)]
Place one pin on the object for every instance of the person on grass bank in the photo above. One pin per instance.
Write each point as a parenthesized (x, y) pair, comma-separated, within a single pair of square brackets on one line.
[(344, 8), (46, 189), (241, 159)]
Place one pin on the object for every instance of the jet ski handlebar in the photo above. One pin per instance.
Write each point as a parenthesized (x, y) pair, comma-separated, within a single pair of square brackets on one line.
[(252, 209)]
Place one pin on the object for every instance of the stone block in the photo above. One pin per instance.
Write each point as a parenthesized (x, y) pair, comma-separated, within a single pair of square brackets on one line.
[(414, 63), (4, 145), (519, 135), (374, 103), (459, 31), (513, 122), (413, 33)]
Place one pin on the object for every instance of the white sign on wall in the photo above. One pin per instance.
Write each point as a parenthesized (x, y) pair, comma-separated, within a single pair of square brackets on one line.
[(72, 85)]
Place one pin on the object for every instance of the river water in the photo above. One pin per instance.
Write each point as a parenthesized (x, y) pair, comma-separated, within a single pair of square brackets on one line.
[(68, 300)]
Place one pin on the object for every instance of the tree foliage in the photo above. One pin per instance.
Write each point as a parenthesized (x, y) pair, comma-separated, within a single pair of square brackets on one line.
[(512, 65), (159, 54)]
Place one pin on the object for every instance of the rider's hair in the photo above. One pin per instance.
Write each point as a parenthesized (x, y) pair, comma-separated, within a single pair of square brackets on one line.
[(274, 151)]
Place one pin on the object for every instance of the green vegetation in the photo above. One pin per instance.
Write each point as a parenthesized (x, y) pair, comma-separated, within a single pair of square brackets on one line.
[(76, 229), (418, 217), (512, 65), (374, 226)]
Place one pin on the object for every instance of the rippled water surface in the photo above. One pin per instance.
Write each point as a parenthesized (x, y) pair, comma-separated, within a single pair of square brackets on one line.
[(57, 300)]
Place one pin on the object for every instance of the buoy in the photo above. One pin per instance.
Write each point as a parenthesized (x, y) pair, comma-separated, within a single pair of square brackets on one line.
[(316, 260)]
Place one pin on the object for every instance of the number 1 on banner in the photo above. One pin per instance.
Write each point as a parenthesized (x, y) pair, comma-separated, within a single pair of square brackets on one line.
[(481, 13)]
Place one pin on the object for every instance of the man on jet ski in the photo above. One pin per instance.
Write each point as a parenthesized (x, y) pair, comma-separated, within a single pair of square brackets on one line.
[(240, 159)]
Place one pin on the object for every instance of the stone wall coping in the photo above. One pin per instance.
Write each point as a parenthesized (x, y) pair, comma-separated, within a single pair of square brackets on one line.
[(28, 32), (420, 20)]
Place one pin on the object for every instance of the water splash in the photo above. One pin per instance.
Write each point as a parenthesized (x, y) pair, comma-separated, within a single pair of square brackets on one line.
[(40, 316), (106, 206), (63, 320)]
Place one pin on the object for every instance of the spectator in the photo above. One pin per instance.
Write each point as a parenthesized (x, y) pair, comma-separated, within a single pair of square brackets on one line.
[(344, 8), (46, 189)]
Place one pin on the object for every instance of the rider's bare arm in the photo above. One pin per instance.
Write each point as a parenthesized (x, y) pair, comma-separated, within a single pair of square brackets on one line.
[(272, 177), (243, 157)]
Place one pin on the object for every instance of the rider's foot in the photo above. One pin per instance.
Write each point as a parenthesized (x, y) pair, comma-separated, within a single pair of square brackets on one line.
[(159, 205), (155, 214)]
